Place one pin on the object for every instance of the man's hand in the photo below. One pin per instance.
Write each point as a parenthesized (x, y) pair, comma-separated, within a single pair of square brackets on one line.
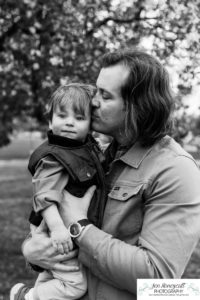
[(39, 250), (73, 208)]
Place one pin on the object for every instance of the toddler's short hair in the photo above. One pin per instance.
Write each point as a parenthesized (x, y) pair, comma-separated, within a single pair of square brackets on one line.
[(78, 95)]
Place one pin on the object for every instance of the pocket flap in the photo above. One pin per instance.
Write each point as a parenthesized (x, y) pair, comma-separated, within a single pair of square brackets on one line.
[(85, 173), (122, 193)]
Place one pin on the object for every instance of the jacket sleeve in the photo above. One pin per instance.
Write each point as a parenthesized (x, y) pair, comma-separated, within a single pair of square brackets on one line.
[(168, 237), (48, 182)]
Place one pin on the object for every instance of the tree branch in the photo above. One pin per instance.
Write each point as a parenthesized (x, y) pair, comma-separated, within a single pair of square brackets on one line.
[(117, 20), (17, 25)]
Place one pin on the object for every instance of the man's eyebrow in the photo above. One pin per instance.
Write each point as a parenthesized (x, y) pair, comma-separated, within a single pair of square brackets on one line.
[(104, 90)]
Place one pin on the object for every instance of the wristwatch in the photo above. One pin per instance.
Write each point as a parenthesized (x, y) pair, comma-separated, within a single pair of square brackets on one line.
[(76, 228)]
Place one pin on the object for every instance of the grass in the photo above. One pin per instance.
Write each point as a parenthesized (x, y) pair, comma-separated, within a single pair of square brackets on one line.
[(15, 205), (20, 147)]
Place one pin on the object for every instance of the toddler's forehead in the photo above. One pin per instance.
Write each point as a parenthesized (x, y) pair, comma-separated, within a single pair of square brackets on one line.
[(71, 106), (64, 106)]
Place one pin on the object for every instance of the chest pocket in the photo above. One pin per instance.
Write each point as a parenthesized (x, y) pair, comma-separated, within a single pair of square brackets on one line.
[(123, 193), (124, 210)]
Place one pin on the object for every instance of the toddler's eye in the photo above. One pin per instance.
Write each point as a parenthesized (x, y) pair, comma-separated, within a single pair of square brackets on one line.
[(80, 117), (62, 116)]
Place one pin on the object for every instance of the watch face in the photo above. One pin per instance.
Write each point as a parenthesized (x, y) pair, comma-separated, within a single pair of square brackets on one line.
[(75, 229)]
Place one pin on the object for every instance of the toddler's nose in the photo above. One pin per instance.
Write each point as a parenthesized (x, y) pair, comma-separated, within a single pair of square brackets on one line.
[(69, 121)]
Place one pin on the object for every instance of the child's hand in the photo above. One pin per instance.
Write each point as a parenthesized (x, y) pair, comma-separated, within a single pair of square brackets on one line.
[(61, 239)]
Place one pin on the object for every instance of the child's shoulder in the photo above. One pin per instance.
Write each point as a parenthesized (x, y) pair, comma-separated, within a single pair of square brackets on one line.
[(40, 148)]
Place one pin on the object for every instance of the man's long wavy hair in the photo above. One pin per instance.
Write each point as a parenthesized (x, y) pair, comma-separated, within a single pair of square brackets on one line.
[(147, 95)]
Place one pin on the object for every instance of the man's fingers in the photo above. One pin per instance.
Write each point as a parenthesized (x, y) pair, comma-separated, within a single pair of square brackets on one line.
[(63, 267), (89, 193), (60, 249), (66, 256), (41, 228), (88, 196), (71, 245), (66, 247)]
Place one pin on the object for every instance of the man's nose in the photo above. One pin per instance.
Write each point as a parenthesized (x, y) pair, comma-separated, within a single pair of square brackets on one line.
[(95, 101)]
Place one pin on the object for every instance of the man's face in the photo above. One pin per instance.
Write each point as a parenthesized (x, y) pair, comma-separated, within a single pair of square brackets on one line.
[(108, 109)]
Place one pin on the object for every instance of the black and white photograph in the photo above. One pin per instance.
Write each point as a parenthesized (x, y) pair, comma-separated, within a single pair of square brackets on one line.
[(99, 148)]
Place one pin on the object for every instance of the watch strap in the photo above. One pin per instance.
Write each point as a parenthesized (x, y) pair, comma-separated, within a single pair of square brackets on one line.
[(84, 222)]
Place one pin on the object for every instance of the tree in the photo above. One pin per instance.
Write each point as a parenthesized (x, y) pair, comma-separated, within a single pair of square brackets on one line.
[(43, 43)]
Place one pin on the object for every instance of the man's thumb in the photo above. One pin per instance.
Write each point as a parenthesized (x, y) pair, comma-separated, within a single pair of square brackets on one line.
[(42, 227), (89, 194)]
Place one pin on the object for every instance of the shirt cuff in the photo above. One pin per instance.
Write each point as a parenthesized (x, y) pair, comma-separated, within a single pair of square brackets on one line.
[(83, 233)]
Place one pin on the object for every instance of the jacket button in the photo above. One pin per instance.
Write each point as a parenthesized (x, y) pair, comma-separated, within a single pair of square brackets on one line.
[(88, 174), (124, 194)]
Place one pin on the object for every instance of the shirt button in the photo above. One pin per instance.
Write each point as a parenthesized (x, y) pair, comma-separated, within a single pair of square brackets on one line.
[(88, 174), (124, 194)]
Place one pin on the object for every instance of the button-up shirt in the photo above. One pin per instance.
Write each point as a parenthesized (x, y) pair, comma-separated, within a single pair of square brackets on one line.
[(151, 221)]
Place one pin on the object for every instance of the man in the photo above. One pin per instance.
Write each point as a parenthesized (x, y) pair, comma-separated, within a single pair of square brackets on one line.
[(152, 215)]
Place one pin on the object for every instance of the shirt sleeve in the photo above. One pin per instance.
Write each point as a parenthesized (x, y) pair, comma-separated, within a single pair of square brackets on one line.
[(48, 182), (168, 237)]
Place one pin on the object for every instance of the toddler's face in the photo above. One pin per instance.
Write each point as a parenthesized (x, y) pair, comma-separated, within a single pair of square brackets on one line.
[(70, 124)]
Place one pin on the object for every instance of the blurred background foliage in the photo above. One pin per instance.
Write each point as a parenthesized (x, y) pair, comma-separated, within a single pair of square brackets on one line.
[(44, 43)]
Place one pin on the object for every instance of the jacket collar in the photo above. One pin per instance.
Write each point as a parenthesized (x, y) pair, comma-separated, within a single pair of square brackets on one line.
[(135, 155), (62, 141), (132, 157)]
